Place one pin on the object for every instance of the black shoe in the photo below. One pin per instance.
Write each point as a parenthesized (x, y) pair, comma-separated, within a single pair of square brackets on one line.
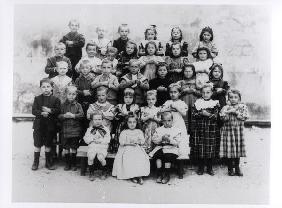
[(140, 180), (104, 173), (73, 161), (238, 172), (180, 170), (231, 172), (36, 161), (48, 163), (200, 170), (91, 176), (68, 162), (210, 171), (166, 178)]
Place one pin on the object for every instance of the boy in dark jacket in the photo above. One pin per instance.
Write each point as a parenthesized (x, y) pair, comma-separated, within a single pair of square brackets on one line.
[(46, 108)]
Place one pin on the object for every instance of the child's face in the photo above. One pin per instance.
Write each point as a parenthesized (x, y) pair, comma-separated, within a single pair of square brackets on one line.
[(129, 49), (97, 120), (203, 55), (128, 100), (216, 73), (206, 93), (176, 50), (167, 120), (71, 95), (46, 88), (100, 32), (176, 34), (60, 50), (102, 96), (131, 123), (134, 68), (74, 26), (62, 69), (85, 70), (106, 68), (162, 71), (151, 49), (188, 72), (91, 51), (206, 36), (111, 55), (151, 100), (150, 35), (123, 32), (234, 98), (174, 93)]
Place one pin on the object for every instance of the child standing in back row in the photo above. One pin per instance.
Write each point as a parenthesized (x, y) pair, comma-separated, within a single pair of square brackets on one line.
[(232, 145), (120, 43), (74, 43), (176, 37)]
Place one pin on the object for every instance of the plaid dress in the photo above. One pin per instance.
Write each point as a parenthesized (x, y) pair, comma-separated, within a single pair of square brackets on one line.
[(232, 143), (205, 132)]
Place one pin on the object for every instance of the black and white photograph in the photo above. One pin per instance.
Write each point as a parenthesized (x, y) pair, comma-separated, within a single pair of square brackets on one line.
[(141, 103)]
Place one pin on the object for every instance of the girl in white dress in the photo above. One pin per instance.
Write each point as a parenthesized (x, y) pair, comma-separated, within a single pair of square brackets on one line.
[(131, 161)]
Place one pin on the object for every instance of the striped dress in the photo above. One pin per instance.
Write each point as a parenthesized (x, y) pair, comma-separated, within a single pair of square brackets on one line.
[(232, 143)]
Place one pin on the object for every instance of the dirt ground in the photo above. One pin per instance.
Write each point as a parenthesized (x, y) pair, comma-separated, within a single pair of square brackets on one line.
[(61, 186)]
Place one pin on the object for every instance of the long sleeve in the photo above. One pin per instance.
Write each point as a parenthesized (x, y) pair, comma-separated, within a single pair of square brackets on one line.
[(88, 137), (50, 67), (144, 84), (140, 137), (243, 113), (36, 108), (57, 107), (79, 42), (109, 114), (175, 140), (107, 138), (96, 82), (195, 113), (184, 49), (123, 138), (182, 108), (215, 112), (90, 111), (124, 84), (114, 84), (79, 114), (156, 139), (223, 113)]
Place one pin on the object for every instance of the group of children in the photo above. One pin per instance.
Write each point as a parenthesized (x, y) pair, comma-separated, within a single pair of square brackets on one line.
[(141, 102)]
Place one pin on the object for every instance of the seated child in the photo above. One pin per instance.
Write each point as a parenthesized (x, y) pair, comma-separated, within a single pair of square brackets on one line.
[(167, 139), (124, 57), (71, 116), (206, 40), (232, 145), (108, 80), (103, 106), (95, 63), (161, 83), (120, 43), (61, 81), (111, 55), (203, 139), (202, 67), (121, 112), (51, 67), (97, 137), (45, 108), (101, 42), (149, 62), (74, 43), (131, 161), (135, 80), (150, 118)]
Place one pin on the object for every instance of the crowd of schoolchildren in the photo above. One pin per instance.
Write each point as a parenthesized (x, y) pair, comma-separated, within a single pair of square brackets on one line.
[(141, 101)]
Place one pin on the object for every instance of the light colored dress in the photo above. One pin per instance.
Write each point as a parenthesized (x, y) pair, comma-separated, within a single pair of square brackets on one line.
[(101, 136), (131, 160), (202, 69), (150, 125), (232, 144), (150, 68), (60, 84), (95, 64)]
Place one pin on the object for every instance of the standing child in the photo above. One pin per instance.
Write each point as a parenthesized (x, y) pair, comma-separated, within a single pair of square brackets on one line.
[(85, 95), (97, 137), (161, 83), (121, 112), (232, 145), (136, 81), (71, 116), (189, 93), (203, 139), (206, 40), (176, 37), (61, 81), (51, 67), (103, 106), (176, 62), (124, 57), (45, 108), (150, 118), (151, 35), (131, 161), (120, 43), (167, 139), (101, 42), (219, 85), (202, 66), (108, 80), (150, 61), (111, 55), (95, 63), (74, 43)]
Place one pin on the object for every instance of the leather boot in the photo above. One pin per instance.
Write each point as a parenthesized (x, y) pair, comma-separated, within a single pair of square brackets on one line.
[(209, 167), (73, 161), (230, 167), (68, 162), (91, 173), (48, 163), (200, 170), (237, 167), (35, 161)]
